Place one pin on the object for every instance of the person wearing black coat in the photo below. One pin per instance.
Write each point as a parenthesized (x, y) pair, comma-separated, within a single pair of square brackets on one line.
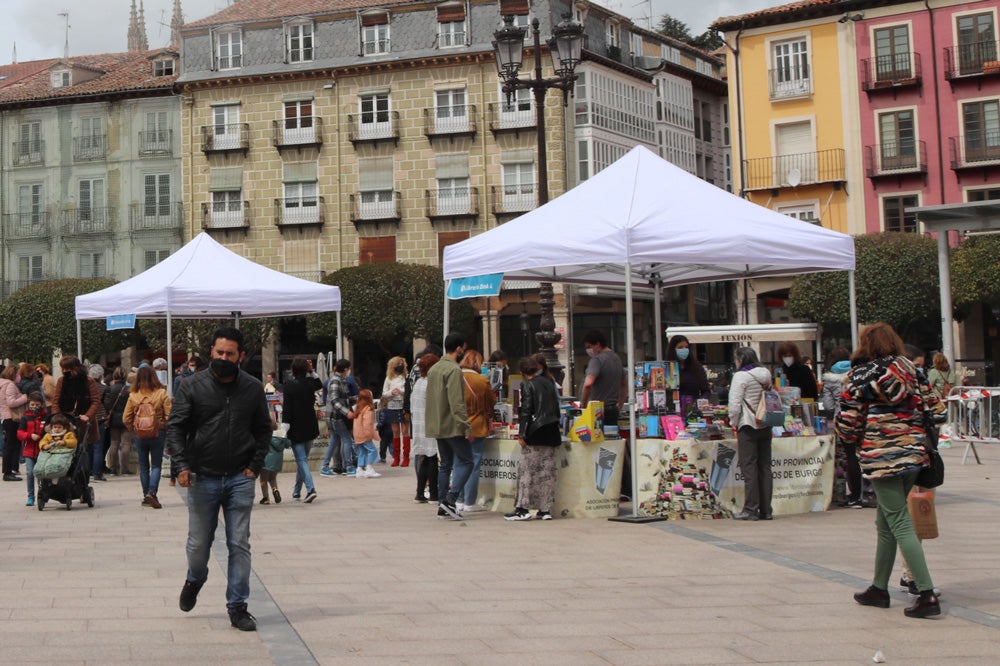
[(299, 412), (797, 372)]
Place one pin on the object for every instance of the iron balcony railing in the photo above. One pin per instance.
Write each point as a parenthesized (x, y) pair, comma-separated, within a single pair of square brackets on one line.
[(312, 276), (975, 59), (225, 138), (29, 152), (503, 119), (380, 206), (897, 69), (90, 147), (892, 158), (457, 202), (373, 127), (234, 215), (769, 173), (304, 131), (86, 221), (513, 200), (790, 81), (26, 226), (11, 286), (156, 142), (460, 121), (156, 216), (975, 150), (299, 211)]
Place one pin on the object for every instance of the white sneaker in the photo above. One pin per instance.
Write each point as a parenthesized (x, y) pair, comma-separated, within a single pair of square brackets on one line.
[(359, 473), (459, 507), (473, 508), (371, 473)]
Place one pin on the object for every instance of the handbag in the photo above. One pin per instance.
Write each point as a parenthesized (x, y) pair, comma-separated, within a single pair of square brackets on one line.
[(932, 475)]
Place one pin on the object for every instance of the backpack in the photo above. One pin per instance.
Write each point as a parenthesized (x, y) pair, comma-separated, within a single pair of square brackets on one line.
[(770, 413), (144, 423)]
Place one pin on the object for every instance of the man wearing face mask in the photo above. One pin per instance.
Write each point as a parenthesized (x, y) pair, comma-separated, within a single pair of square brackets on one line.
[(605, 377), (219, 431), (797, 372)]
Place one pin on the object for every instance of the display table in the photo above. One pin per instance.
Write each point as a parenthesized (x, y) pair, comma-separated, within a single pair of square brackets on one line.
[(694, 479), (588, 477)]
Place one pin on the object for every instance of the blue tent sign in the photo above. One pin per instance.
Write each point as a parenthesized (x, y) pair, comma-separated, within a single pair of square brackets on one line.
[(118, 322), (473, 287)]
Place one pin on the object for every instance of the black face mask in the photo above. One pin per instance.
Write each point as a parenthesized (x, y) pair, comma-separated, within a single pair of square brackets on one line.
[(400, 368), (458, 359), (224, 369)]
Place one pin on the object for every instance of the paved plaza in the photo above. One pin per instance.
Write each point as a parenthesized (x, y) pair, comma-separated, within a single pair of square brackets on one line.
[(366, 576)]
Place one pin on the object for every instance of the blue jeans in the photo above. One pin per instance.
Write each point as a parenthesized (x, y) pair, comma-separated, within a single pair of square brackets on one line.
[(471, 492), (97, 453), (150, 454), (333, 452), (343, 432), (29, 475), (302, 473), (234, 495), (367, 453), (453, 452)]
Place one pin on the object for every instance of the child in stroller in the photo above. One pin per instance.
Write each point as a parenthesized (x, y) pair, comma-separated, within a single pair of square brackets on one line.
[(60, 469)]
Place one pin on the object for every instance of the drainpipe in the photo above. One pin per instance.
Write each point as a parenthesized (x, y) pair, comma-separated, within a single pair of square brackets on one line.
[(738, 74)]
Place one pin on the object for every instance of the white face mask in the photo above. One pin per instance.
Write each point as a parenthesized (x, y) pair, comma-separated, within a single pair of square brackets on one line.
[(788, 360), (591, 352)]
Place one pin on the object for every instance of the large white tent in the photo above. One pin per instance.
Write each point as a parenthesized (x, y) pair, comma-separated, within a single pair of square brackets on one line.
[(203, 280), (645, 219)]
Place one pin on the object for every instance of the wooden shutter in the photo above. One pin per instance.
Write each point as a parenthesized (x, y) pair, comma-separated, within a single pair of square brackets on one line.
[(377, 250), (446, 238), (452, 11)]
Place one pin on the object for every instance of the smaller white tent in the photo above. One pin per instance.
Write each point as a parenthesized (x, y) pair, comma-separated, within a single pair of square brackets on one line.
[(204, 280)]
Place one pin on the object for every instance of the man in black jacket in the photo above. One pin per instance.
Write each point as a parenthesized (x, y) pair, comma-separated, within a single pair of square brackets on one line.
[(219, 431)]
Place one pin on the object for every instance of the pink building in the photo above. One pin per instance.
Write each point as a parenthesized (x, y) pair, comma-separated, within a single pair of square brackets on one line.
[(929, 108)]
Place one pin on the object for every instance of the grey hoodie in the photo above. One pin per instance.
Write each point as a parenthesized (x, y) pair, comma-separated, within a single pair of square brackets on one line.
[(829, 398), (747, 386)]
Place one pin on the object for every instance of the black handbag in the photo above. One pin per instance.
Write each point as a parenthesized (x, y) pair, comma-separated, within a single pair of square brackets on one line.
[(932, 475)]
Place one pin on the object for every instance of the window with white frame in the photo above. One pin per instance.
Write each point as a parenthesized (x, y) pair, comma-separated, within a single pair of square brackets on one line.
[(156, 139), (583, 160), (92, 214), (163, 67), (374, 116), (977, 43), (226, 126), (29, 269), (517, 171), (91, 265), (451, 114), (60, 78), (894, 215), (806, 212), (612, 35), (454, 196), (790, 73), (299, 123), (516, 111), (300, 42), (986, 194), (897, 140), (226, 208), (981, 131), (91, 139), (892, 53), (451, 25), (152, 257), (522, 20), (377, 200), (301, 201), (156, 199), (375, 33), (229, 49), (29, 209), (29, 148)]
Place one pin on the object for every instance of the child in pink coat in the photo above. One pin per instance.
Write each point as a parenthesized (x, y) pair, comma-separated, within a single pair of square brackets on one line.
[(364, 435)]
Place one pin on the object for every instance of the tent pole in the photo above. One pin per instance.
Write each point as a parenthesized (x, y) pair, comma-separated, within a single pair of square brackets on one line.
[(658, 320), (340, 340), (79, 340), (447, 314), (170, 359), (854, 309), (630, 339), (944, 279), (236, 320)]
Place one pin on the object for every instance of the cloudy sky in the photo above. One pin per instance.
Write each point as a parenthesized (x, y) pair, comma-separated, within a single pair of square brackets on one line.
[(100, 26)]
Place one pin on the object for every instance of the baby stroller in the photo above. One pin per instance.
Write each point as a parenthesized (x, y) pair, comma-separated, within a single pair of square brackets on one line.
[(75, 484)]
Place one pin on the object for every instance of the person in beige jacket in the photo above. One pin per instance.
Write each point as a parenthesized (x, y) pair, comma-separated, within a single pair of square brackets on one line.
[(148, 389), (479, 402)]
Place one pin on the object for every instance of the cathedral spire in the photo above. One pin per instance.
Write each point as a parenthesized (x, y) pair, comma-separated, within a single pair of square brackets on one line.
[(175, 25), (134, 40), (143, 40)]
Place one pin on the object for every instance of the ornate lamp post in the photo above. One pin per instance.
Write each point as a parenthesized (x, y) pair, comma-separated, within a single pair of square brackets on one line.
[(565, 47)]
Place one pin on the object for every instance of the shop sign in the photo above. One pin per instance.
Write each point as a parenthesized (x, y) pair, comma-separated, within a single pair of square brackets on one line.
[(476, 286)]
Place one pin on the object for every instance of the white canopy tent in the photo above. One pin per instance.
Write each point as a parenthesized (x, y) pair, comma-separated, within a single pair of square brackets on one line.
[(645, 219), (205, 280)]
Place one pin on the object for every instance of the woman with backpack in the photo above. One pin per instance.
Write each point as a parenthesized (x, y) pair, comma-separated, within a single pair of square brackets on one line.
[(753, 442), (146, 415)]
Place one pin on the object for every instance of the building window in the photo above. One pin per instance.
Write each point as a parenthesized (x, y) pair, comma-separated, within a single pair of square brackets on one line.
[(612, 36), (156, 139), (892, 53), (895, 216), (375, 33), (451, 24), (375, 178), (790, 75), (299, 122), (29, 269), (981, 127), (29, 148), (989, 194), (229, 49), (516, 111), (453, 197), (897, 140), (91, 265), (91, 201), (374, 112), (227, 209), (377, 250), (153, 257), (164, 67), (301, 202), (300, 42), (583, 160), (226, 127), (29, 209), (450, 111), (156, 198), (976, 42), (90, 144), (803, 212), (518, 185)]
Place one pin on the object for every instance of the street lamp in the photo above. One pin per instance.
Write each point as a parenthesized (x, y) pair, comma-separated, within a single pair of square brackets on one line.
[(565, 47)]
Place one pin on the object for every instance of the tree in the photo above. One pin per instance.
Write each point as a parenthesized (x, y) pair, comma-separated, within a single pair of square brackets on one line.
[(975, 271), (383, 303), (40, 318), (675, 28), (896, 277), (196, 334), (708, 41)]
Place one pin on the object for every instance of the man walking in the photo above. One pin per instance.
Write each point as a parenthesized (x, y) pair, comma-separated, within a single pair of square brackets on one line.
[(447, 421), (219, 431)]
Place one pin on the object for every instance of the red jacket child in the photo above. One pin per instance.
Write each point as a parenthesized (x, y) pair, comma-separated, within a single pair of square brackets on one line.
[(31, 430)]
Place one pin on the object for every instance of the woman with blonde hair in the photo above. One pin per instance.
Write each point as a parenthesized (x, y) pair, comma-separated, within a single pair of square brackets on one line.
[(148, 390), (394, 388), (941, 376), (479, 401)]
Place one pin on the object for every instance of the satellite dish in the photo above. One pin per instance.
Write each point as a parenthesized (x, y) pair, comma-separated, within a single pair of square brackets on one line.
[(793, 177)]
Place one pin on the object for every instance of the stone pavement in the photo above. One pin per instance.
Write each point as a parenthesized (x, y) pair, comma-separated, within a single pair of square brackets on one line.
[(365, 576)]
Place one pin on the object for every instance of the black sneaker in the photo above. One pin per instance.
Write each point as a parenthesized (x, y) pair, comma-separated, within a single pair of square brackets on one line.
[(420, 499), (853, 504), (310, 496), (189, 595), (450, 510), (518, 514), (241, 618), (543, 515)]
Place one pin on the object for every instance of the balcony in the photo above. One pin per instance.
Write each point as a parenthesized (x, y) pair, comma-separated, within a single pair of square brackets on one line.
[(222, 217), (772, 173), (11, 286), (27, 153), (515, 120), (306, 132), (88, 221), (896, 159), (615, 53), (891, 72), (453, 205), (373, 127), (225, 138), (91, 147), (461, 122), (513, 200), (376, 207), (971, 151), (156, 217), (299, 212), (789, 82), (156, 143), (971, 60), (26, 226)]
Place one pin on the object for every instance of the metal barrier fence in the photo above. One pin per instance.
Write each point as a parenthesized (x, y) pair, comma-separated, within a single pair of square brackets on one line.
[(974, 417)]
